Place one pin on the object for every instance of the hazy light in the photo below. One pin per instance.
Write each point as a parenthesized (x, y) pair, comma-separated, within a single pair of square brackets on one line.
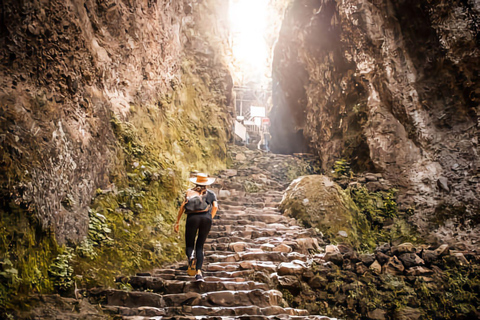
[(248, 19)]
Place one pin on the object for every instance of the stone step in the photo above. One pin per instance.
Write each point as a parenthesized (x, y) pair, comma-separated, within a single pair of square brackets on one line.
[(242, 317), (230, 203), (205, 311), (266, 210), (246, 256), (264, 217), (185, 277), (160, 285), (207, 274), (256, 226), (259, 233), (303, 245), (134, 299), (256, 239), (228, 207), (267, 266)]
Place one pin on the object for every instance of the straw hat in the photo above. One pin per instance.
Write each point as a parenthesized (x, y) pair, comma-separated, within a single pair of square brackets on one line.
[(202, 179)]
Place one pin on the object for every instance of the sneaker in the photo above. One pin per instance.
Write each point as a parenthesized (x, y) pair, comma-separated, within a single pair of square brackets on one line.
[(192, 267), (199, 277)]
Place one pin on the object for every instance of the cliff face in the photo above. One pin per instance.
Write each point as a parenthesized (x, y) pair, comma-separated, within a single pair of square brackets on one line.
[(105, 108), (70, 67), (393, 88)]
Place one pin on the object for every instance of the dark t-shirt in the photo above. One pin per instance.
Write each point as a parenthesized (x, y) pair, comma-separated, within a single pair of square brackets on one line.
[(211, 196)]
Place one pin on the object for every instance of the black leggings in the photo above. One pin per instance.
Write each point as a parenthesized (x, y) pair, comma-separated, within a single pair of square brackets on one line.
[(201, 222)]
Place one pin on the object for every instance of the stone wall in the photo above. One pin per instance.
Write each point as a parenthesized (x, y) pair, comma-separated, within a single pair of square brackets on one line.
[(393, 88)]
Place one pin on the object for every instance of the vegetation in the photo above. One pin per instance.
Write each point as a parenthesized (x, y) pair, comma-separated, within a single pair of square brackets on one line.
[(379, 219), (342, 168)]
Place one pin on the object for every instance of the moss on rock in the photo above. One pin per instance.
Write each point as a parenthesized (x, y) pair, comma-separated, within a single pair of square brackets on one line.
[(353, 215), (319, 202)]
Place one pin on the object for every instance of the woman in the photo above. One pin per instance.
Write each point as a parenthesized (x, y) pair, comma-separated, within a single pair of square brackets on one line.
[(201, 206)]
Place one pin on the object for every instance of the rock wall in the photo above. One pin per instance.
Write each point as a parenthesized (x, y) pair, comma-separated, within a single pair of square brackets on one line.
[(69, 67), (105, 108), (393, 88)]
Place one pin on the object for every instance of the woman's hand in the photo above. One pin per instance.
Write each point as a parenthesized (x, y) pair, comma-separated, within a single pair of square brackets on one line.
[(176, 227)]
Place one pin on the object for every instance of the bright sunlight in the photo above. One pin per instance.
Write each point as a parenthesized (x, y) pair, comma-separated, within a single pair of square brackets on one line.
[(249, 29)]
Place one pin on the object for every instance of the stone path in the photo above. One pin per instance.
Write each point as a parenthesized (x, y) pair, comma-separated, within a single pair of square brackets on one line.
[(251, 249)]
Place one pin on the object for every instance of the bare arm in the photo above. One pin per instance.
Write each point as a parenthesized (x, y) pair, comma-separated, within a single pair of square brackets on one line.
[(214, 209), (176, 227)]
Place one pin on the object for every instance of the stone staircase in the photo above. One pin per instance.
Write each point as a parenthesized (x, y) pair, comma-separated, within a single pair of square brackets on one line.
[(251, 248)]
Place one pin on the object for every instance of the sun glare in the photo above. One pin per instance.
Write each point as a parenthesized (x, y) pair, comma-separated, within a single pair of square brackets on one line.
[(248, 23)]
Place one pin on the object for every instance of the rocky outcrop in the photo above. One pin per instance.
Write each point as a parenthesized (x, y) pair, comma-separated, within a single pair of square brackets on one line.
[(393, 88), (319, 202)]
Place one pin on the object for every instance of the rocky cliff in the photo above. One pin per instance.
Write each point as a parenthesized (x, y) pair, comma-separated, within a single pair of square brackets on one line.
[(391, 87), (105, 108)]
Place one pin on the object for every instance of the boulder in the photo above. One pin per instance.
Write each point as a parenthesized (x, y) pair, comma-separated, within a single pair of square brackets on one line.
[(408, 313), (319, 202), (318, 281), (377, 314), (305, 244), (289, 282), (335, 257), (291, 268), (367, 259), (383, 248), (411, 260), (240, 157), (283, 248), (394, 266), (429, 256), (376, 267), (382, 258), (419, 271), (360, 268), (238, 246), (460, 259), (230, 172), (403, 248), (442, 250), (331, 249)]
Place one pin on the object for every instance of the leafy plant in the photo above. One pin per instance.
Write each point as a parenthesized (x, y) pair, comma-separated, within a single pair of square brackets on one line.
[(342, 168), (98, 229), (61, 270)]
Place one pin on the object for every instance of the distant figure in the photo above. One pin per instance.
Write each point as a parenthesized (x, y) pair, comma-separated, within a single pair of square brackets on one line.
[(201, 206), (266, 140)]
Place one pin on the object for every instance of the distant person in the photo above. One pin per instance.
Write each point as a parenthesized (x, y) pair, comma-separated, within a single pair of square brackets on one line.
[(201, 206), (266, 140)]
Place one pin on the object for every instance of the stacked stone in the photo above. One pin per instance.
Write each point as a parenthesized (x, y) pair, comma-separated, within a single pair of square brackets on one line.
[(405, 262)]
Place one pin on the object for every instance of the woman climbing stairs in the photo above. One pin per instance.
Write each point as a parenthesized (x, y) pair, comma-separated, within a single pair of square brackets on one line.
[(251, 248)]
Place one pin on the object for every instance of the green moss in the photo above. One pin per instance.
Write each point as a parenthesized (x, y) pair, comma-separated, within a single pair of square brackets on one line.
[(341, 168), (455, 295), (379, 219), (26, 254)]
